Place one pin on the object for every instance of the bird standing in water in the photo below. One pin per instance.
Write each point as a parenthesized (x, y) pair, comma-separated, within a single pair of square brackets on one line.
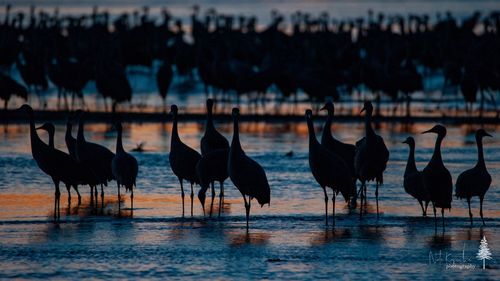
[(413, 181), (437, 179), (124, 167), (475, 181), (246, 174)]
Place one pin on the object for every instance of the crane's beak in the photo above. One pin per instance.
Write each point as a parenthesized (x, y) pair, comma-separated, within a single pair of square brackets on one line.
[(428, 131), (362, 110), (405, 141), (40, 128), (488, 135), (323, 108)]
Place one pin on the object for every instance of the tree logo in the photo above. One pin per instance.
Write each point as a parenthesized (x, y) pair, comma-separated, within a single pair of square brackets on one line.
[(484, 252)]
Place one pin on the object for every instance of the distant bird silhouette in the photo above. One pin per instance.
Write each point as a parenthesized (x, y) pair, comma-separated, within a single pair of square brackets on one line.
[(212, 139), (475, 181), (164, 78), (344, 150), (50, 129), (212, 167), (55, 163), (437, 179), (413, 181), (329, 169), (94, 157), (124, 167), (371, 157), (10, 87), (246, 174), (183, 159)]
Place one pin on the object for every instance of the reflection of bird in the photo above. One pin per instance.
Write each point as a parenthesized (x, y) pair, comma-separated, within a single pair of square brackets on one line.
[(371, 157), (50, 129), (475, 181), (437, 179), (344, 150), (329, 169), (9, 87), (212, 167), (183, 159), (57, 164), (413, 182), (246, 174), (94, 157), (124, 167)]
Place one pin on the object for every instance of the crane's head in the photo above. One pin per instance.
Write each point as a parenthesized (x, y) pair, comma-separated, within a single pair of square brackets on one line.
[(309, 114), (410, 141), (482, 133), (118, 126), (49, 127), (174, 109), (368, 107), (328, 106), (235, 112), (210, 104), (440, 130)]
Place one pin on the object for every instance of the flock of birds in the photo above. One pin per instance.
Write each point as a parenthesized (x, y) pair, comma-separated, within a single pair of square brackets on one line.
[(392, 55), (333, 164)]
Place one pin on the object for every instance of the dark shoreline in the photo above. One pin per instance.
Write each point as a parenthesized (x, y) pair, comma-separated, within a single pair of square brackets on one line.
[(13, 117)]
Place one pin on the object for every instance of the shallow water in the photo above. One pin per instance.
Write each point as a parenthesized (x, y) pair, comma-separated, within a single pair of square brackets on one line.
[(288, 239)]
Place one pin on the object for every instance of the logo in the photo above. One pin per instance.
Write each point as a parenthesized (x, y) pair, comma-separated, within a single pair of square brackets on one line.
[(484, 252)]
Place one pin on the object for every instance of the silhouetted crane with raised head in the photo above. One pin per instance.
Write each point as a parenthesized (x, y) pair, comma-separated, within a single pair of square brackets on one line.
[(124, 167), (475, 181), (437, 179), (371, 157), (413, 181), (183, 159), (246, 174), (329, 169)]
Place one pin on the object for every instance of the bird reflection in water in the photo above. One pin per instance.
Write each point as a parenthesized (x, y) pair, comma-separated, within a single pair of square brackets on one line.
[(330, 235), (249, 238)]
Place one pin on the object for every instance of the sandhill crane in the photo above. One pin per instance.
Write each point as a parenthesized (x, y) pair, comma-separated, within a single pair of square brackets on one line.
[(10, 87), (164, 78), (246, 174), (437, 179), (371, 157), (475, 181), (183, 159), (413, 182), (329, 169), (124, 167)]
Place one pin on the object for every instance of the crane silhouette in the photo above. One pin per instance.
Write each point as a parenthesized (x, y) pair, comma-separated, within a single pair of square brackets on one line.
[(437, 179), (246, 174), (371, 157), (212, 167), (213, 140), (124, 167), (475, 181), (50, 129), (183, 159), (10, 87), (164, 78), (94, 157), (413, 181), (329, 169)]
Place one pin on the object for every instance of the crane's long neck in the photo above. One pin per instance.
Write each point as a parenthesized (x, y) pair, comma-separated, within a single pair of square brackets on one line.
[(235, 143), (175, 133), (480, 154), (210, 122), (368, 125), (51, 138), (80, 137), (312, 135), (410, 165), (328, 124), (119, 144), (34, 138), (437, 149)]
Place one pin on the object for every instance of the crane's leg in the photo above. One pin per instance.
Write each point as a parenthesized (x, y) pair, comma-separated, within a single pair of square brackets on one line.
[(68, 188), (470, 213), (57, 215), (425, 210), (376, 196), (119, 198), (95, 195), (442, 215), (78, 192), (92, 196), (192, 196), (213, 196), (481, 208), (132, 201), (248, 212), (182, 196), (246, 208), (421, 206), (435, 218), (221, 196), (326, 205), (333, 208), (56, 187), (361, 199), (102, 196)]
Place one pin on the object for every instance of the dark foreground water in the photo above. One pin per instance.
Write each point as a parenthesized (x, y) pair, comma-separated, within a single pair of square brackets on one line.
[(287, 240)]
